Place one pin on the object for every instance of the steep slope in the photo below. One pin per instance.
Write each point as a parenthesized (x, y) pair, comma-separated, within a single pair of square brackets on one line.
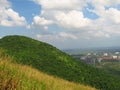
[(13, 77), (50, 60)]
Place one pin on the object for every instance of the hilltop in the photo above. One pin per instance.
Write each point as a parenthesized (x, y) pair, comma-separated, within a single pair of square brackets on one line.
[(50, 60)]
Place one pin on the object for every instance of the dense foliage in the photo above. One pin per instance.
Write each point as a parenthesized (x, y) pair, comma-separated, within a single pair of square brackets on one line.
[(112, 68), (50, 60)]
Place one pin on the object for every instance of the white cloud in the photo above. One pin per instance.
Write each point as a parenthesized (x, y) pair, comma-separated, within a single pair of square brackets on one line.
[(112, 15), (4, 4), (41, 21), (8, 17), (68, 14), (105, 2), (61, 36), (72, 19), (62, 4), (12, 19), (100, 5), (40, 36), (66, 35), (108, 22), (101, 34)]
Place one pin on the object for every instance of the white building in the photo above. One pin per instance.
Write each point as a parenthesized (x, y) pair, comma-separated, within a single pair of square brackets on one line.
[(114, 57), (105, 54), (117, 52), (89, 54)]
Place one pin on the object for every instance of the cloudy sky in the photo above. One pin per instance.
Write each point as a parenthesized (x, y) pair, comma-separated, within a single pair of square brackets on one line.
[(63, 23)]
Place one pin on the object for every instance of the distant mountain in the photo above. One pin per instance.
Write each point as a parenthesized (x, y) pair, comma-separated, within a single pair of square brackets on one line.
[(50, 60), (100, 49)]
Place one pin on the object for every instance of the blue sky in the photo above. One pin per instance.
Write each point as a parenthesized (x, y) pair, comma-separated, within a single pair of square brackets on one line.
[(64, 23), (26, 8)]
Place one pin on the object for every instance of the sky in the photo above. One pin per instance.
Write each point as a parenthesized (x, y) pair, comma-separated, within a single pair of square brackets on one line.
[(66, 24)]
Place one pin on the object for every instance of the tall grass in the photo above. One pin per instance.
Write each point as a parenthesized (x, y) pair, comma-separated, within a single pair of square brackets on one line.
[(18, 77)]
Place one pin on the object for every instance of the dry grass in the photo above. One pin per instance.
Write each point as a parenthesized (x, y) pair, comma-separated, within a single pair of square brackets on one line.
[(18, 77), (53, 83)]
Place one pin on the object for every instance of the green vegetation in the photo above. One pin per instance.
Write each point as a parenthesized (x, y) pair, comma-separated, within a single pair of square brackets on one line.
[(50, 60), (112, 68), (21, 77)]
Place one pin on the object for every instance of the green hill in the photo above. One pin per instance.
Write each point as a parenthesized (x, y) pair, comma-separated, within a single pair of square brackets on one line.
[(50, 60), (22, 77)]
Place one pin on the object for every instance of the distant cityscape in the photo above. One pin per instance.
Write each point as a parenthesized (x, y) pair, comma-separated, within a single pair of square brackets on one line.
[(93, 58)]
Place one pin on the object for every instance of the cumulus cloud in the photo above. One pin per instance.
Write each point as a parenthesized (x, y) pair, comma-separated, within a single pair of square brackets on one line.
[(72, 19), (108, 22), (4, 4), (12, 18), (101, 5), (8, 17), (58, 11), (112, 15), (69, 15), (62, 4), (105, 2), (41, 21)]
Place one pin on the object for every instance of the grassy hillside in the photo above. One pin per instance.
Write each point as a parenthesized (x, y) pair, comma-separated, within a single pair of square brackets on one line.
[(50, 60), (18, 77)]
